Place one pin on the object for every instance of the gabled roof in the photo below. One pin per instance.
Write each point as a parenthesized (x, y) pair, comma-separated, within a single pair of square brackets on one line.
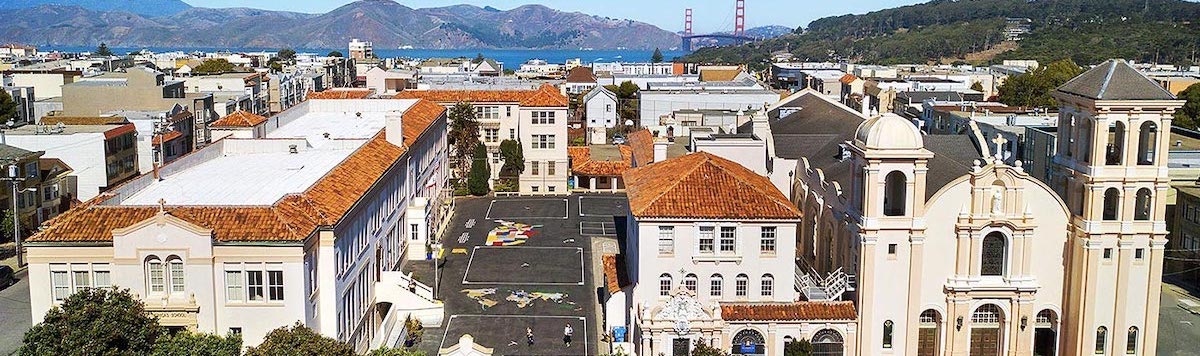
[(797, 311), (599, 90), (1115, 80), (544, 96), (166, 137), (583, 164), (581, 74), (703, 185), (848, 79), (239, 118), (341, 94)]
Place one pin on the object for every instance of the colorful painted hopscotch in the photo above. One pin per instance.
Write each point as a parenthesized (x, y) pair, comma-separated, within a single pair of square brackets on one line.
[(510, 233)]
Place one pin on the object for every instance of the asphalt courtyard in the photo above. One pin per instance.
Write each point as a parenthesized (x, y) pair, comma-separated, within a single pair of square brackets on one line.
[(498, 293)]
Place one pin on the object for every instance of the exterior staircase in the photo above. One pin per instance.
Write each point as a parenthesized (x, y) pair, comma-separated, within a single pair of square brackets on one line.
[(831, 287)]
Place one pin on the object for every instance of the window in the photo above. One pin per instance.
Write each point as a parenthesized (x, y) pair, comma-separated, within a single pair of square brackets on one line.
[(993, 255), (254, 285), (176, 274), (1112, 200), (1131, 341), (235, 289), (689, 282), (666, 240), (892, 249), (550, 189), (767, 243), (156, 276), (1142, 205), (487, 112), (1139, 253), (768, 285), (491, 135), (101, 279), (543, 142), (1116, 144), (1108, 252), (715, 285), (1147, 142), (82, 280), (61, 284), (894, 194), (988, 315), (887, 334), (664, 285), (1101, 339), (728, 239), (512, 134), (275, 285), (534, 168), (534, 188), (550, 168), (707, 239), (741, 284), (415, 230), (543, 117)]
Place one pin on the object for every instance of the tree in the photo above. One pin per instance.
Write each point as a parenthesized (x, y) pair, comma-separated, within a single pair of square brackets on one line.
[(8, 107), (335, 54), (627, 93), (657, 57), (98, 321), (702, 349), (478, 58), (800, 347), (463, 135), (213, 66), (395, 352), (514, 158), (477, 182), (198, 344), (977, 86), (299, 340), (6, 226), (103, 50), (1189, 115), (286, 55), (1034, 87)]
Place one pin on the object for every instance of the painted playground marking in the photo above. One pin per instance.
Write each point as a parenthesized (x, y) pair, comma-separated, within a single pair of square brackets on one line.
[(583, 331), (471, 261)]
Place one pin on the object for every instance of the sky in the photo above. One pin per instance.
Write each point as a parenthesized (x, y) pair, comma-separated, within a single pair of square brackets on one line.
[(707, 15)]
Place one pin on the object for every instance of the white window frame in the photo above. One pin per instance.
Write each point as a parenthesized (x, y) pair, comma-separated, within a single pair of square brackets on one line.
[(716, 285), (767, 285), (768, 240), (706, 239), (721, 239), (666, 240)]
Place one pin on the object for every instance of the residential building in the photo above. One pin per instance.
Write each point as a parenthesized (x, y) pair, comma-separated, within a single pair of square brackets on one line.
[(46, 83), (138, 89), (637, 69), (239, 125), (30, 209), (656, 103), (361, 49), (535, 118), (101, 155), (23, 97), (285, 90), (58, 189), (1183, 247), (462, 65), (163, 136), (233, 91), (538, 68), (601, 107), (580, 80), (391, 81), (308, 224), (598, 167)]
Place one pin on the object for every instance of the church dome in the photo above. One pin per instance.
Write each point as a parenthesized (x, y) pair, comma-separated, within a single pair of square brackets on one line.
[(889, 132)]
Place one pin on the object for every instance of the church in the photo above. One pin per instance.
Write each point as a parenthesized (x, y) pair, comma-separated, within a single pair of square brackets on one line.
[(904, 243)]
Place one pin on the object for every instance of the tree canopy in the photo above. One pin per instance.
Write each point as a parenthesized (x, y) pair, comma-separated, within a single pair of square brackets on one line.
[(703, 349), (286, 55), (477, 181), (514, 158), (299, 340), (335, 54), (627, 93), (1033, 88), (8, 107), (1189, 115), (464, 134), (96, 321), (103, 50), (657, 57), (197, 344), (213, 66)]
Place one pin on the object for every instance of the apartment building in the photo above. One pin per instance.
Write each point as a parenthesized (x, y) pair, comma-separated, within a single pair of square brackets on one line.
[(138, 88), (101, 151), (308, 224), (536, 118)]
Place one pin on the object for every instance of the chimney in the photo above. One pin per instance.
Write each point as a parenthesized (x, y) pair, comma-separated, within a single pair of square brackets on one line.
[(759, 124), (866, 106), (394, 127), (660, 149)]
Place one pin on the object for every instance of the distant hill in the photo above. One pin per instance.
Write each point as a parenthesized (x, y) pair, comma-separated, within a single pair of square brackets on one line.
[(385, 22), (950, 31), (140, 7)]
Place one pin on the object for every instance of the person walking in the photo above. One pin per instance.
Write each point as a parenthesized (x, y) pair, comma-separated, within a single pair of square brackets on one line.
[(567, 333), (529, 336)]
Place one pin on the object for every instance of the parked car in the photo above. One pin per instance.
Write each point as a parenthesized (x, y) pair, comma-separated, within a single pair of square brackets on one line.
[(618, 139), (7, 277)]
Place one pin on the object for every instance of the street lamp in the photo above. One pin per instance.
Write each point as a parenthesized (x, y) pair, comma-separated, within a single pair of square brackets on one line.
[(14, 178)]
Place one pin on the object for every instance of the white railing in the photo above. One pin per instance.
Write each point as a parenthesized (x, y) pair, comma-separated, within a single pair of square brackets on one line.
[(821, 289)]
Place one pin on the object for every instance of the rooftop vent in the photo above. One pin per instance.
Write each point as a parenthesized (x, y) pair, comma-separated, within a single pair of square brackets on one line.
[(292, 149), (1178, 143)]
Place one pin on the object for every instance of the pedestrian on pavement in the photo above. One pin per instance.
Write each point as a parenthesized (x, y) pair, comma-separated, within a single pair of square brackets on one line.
[(567, 332), (529, 336)]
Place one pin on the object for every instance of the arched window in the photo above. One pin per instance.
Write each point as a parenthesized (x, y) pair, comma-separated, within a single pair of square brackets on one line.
[(715, 284), (928, 333), (1131, 341), (156, 275), (992, 260), (888, 327), (1115, 151), (1142, 205), (1068, 135), (741, 285), (768, 285), (1101, 339), (664, 285), (689, 282), (1045, 319), (895, 186), (1147, 143), (748, 337), (827, 342), (1085, 140), (987, 315), (1112, 202), (176, 273)]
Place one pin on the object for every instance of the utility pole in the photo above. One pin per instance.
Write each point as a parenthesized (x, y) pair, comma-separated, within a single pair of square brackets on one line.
[(14, 178)]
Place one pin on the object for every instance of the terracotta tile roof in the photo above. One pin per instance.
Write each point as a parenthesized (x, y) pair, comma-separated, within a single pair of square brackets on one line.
[(119, 130), (83, 120), (642, 144), (292, 218), (341, 93), (544, 96), (418, 119), (239, 118), (789, 311), (848, 78), (167, 137), (702, 185), (581, 74), (582, 163), (615, 276)]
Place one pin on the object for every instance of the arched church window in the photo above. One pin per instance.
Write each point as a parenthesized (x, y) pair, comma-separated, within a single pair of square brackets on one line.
[(1112, 202), (1142, 205), (1115, 150), (689, 282), (664, 285), (895, 194), (1101, 339), (1147, 141), (992, 261), (888, 330), (827, 342), (1131, 341)]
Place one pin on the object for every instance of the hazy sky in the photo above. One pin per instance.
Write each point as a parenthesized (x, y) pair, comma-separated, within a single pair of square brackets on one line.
[(708, 15)]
